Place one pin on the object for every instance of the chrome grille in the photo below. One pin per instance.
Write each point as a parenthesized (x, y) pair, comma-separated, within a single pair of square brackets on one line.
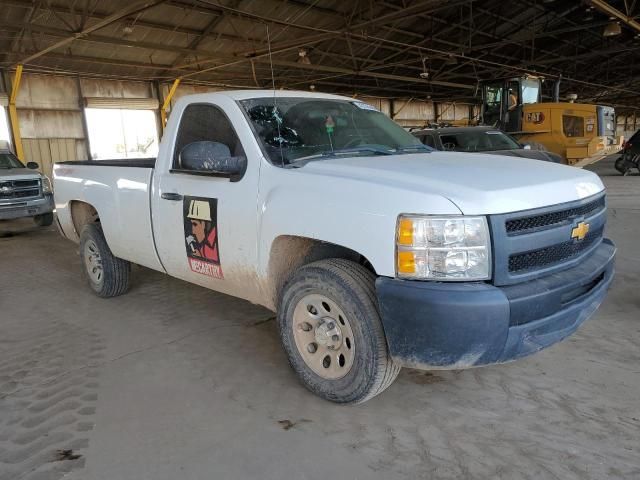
[(534, 222), (534, 243), (551, 255), (19, 189)]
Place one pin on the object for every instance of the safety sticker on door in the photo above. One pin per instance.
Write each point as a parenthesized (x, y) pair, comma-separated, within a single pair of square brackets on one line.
[(201, 235)]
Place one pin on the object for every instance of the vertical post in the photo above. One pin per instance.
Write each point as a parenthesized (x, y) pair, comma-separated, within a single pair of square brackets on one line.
[(13, 114), (167, 102), (156, 91), (83, 113)]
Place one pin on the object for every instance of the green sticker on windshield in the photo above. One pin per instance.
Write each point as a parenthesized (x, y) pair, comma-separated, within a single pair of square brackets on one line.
[(329, 124)]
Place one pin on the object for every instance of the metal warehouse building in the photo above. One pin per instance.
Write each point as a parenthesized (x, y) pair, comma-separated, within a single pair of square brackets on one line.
[(181, 381)]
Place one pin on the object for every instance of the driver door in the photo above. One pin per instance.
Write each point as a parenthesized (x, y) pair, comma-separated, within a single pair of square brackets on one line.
[(205, 224)]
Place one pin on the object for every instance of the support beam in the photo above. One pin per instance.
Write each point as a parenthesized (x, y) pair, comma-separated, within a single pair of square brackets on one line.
[(607, 9), (124, 12), (13, 114), (167, 102), (400, 78)]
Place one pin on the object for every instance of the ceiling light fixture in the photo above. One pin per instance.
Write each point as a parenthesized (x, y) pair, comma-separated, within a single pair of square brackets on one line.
[(303, 56), (424, 74), (612, 29)]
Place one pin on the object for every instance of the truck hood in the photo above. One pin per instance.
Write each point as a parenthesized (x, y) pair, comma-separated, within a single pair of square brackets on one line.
[(18, 174), (521, 152), (477, 184)]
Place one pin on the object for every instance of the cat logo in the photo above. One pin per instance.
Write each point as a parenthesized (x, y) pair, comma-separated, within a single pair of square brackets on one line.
[(580, 231), (535, 117)]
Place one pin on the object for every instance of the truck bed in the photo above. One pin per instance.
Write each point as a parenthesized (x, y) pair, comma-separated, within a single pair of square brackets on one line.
[(120, 192), (116, 162)]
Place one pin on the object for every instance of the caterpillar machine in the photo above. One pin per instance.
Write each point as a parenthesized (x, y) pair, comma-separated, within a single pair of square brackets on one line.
[(581, 133)]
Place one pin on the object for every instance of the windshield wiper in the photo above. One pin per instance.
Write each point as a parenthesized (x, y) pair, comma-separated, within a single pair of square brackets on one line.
[(408, 148), (344, 151)]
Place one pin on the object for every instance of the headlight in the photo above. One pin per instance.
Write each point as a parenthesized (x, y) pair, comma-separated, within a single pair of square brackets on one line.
[(443, 248), (46, 185)]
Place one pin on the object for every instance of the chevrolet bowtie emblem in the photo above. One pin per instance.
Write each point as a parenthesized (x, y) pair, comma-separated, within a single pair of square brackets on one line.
[(580, 231)]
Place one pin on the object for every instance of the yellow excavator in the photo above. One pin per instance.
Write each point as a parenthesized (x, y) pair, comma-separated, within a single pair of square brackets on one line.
[(581, 133)]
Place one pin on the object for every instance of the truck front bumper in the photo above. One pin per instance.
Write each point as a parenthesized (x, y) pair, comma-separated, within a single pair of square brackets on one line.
[(27, 208), (432, 325)]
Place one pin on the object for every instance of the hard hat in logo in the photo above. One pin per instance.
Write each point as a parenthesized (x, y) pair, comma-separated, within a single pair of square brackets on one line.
[(199, 210)]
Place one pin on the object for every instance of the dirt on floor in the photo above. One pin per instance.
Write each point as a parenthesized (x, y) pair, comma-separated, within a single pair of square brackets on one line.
[(172, 381)]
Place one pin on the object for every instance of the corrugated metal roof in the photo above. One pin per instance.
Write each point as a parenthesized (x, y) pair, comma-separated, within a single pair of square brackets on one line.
[(369, 47)]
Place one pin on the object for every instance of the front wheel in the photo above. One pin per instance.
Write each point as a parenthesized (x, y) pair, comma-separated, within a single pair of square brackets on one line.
[(331, 330), (44, 220), (622, 165), (107, 275)]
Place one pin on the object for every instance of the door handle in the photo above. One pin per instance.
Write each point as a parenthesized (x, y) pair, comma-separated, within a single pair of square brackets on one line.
[(171, 196)]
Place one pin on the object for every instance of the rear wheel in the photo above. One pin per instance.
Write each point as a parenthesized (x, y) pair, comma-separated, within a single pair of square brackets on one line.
[(622, 165), (107, 275), (44, 220), (331, 330)]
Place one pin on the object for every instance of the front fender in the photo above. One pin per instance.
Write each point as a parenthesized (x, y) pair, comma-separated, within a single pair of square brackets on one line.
[(358, 215)]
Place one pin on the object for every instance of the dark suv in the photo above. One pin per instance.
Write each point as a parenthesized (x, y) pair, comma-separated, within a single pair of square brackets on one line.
[(481, 140), (630, 157)]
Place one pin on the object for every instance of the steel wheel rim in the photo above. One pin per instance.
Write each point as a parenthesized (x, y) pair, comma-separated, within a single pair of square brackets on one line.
[(93, 262), (323, 336)]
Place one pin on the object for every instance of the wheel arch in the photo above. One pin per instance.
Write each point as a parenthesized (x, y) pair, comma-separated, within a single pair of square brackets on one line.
[(290, 252), (82, 213)]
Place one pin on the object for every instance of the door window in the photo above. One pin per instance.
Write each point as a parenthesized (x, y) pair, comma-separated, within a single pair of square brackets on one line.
[(493, 96), (206, 123), (428, 141), (573, 126), (530, 91), (513, 96)]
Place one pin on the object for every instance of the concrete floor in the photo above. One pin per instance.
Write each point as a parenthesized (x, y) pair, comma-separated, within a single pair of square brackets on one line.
[(173, 381)]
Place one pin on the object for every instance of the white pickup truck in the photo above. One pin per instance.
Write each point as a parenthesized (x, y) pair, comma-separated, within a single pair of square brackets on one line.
[(375, 251)]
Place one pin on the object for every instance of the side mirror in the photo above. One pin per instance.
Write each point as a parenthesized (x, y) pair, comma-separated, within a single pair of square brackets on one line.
[(212, 158), (32, 165), (526, 146)]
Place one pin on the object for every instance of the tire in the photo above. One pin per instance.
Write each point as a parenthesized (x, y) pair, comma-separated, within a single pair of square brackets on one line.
[(322, 295), (44, 220), (107, 275), (621, 165)]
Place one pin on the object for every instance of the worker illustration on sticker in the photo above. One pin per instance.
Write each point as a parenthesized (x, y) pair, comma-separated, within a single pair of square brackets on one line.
[(201, 235)]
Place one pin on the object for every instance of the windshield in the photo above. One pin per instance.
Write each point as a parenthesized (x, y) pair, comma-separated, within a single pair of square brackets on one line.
[(8, 160), (296, 129), (530, 91), (478, 141)]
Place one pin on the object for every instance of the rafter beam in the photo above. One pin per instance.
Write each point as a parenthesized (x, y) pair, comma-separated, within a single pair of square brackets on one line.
[(607, 9), (135, 7)]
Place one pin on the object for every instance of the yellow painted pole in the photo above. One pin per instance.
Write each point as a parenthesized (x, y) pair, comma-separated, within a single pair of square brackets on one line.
[(13, 114), (167, 102)]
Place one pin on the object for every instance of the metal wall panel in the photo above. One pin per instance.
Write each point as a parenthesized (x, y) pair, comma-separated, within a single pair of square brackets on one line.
[(115, 88), (4, 100), (50, 124), (446, 112), (382, 104), (47, 92), (417, 111), (47, 151)]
